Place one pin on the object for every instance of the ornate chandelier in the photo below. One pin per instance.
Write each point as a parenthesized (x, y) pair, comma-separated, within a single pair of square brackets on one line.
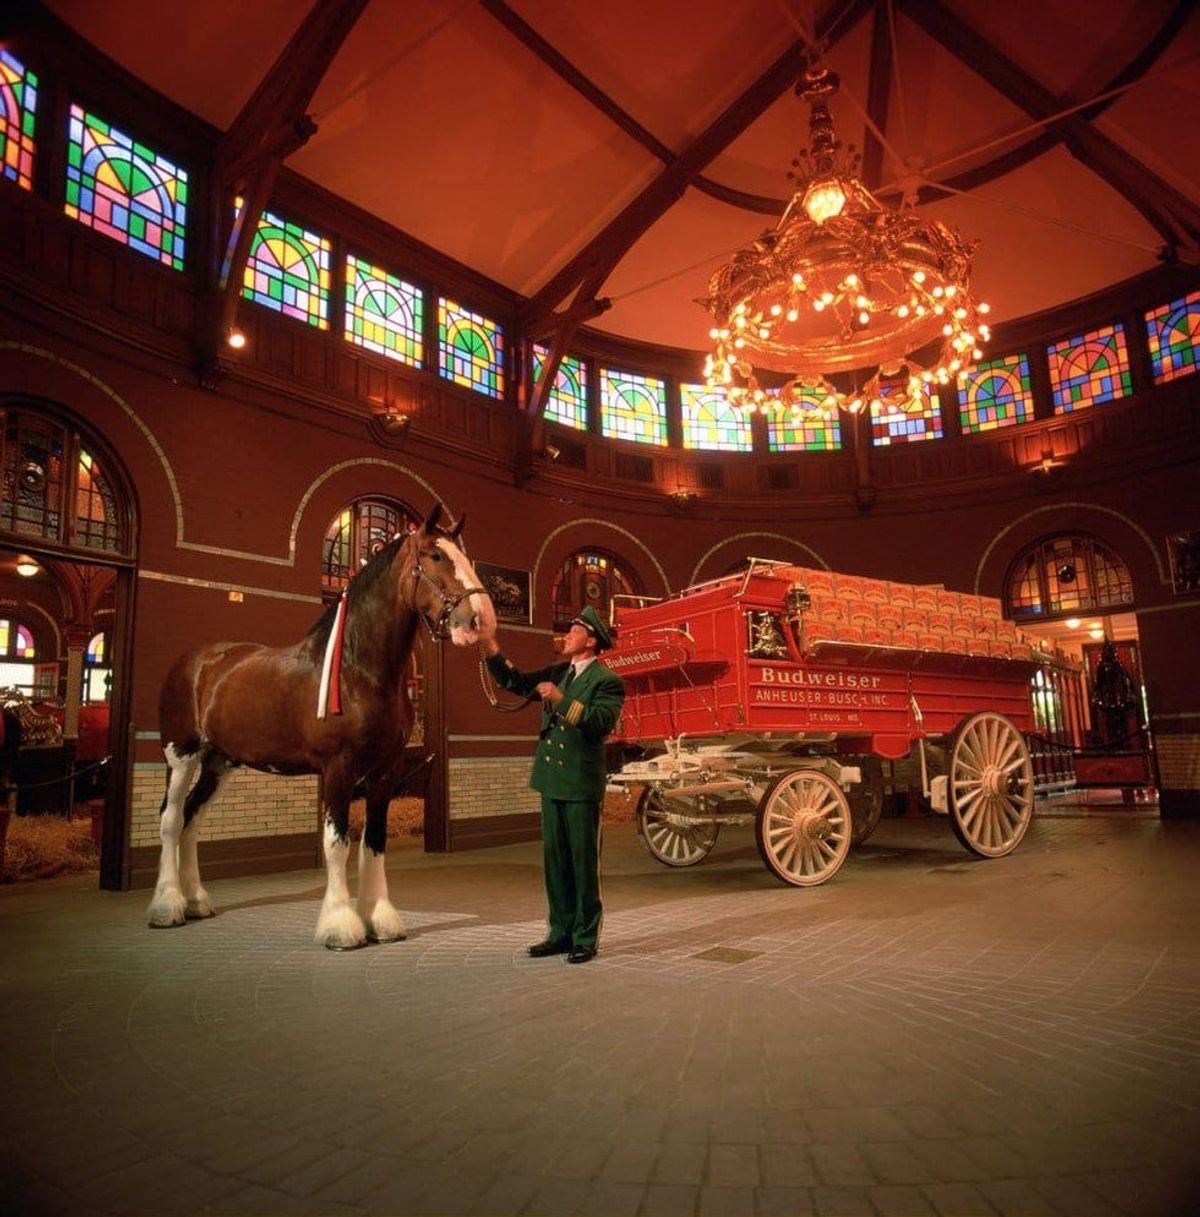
[(842, 287)]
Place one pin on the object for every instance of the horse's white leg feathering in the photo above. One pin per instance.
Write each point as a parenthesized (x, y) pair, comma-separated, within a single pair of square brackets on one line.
[(383, 922), (168, 905), (339, 927), (198, 903)]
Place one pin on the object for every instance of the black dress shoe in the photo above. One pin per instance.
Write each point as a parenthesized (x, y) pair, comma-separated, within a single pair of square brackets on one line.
[(540, 950), (581, 954)]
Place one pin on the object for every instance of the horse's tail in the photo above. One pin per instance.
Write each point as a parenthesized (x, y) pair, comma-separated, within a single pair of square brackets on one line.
[(178, 705)]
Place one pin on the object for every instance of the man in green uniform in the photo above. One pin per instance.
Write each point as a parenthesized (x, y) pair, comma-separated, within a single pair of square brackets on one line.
[(581, 701)]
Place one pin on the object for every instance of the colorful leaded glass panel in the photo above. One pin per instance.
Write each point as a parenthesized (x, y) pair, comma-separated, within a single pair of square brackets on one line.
[(567, 403), (633, 407), (288, 271), (1174, 334), (811, 427), (470, 349), (1089, 370), (892, 425), (95, 648), (995, 394), (18, 110), (383, 313), (16, 641), (711, 423), (125, 190), (96, 524)]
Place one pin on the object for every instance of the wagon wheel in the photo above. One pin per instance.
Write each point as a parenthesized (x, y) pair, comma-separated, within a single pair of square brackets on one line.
[(671, 843), (991, 784), (866, 798), (803, 827)]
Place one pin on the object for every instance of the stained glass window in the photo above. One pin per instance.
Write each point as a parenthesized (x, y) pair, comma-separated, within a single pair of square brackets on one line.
[(18, 107), (383, 313), (710, 422), (471, 349), (567, 403), (288, 271), (814, 429), (633, 407), (95, 648), (995, 394), (16, 641), (95, 506), (1089, 370), (590, 577), (355, 535), (125, 190), (33, 489), (1070, 573), (1174, 333), (891, 425)]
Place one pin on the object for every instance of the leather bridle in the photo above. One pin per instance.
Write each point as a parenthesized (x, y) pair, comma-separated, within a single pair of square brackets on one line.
[(439, 628)]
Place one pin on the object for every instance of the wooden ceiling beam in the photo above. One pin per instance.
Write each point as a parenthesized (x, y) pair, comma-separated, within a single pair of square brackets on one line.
[(601, 255), (879, 91), (270, 127), (1175, 218)]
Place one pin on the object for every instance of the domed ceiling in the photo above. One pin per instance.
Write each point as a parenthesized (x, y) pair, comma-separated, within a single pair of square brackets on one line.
[(624, 149)]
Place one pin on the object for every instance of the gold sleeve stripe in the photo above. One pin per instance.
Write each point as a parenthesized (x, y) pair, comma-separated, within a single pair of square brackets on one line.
[(574, 712)]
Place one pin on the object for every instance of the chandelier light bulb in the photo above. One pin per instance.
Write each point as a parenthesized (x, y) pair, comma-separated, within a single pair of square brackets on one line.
[(824, 200), (27, 567)]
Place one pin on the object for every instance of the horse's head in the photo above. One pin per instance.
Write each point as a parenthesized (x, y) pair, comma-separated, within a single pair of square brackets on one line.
[(446, 590)]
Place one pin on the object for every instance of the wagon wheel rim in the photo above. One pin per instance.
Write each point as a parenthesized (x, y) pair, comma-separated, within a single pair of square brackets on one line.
[(670, 843), (991, 785), (804, 828)]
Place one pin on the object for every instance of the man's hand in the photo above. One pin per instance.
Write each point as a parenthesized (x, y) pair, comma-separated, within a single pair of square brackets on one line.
[(547, 690)]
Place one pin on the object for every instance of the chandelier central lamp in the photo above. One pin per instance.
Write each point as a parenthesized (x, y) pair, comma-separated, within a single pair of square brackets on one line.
[(855, 303)]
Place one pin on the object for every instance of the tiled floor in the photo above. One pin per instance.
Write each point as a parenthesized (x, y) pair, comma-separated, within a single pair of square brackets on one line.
[(927, 1033)]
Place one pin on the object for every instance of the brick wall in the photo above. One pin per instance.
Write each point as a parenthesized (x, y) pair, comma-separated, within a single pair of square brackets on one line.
[(1179, 761), (490, 786), (250, 804)]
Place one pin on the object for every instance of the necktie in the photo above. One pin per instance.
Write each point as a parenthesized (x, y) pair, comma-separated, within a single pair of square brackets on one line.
[(570, 677)]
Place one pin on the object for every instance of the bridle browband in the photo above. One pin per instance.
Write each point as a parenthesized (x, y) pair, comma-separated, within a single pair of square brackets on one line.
[(439, 629)]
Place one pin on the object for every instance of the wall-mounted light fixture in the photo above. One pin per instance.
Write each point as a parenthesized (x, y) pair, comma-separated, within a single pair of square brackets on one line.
[(235, 338), (1096, 631), (551, 453), (27, 566), (683, 497), (395, 422)]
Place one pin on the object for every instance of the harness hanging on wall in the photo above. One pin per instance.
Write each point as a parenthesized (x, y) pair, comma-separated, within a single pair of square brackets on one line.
[(329, 693)]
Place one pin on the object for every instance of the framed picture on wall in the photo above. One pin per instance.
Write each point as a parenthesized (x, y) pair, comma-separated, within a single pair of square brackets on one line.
[(509, 590), (1184, 549)]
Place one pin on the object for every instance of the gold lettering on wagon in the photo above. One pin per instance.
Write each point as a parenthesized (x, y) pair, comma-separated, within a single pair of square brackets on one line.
[(827, 680), (830, 698)]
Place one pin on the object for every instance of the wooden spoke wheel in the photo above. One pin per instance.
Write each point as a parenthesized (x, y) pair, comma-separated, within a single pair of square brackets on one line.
[(990, 784), (803, 827), (866, 798), (667, 839)]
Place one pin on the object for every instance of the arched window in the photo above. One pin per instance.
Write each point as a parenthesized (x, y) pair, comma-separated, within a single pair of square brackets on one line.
[(358, 532), (1064, 575), (590, 576), (97, 673), (56, 489), (17, 655)]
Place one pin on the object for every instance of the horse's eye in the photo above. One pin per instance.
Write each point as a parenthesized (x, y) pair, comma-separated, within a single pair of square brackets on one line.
[(436, 555)]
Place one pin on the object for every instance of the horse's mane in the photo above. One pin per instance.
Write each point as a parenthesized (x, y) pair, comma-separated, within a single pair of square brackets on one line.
[(359, 587)]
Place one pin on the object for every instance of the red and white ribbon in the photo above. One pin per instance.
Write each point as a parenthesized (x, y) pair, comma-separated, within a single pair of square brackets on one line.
[(329, 694)]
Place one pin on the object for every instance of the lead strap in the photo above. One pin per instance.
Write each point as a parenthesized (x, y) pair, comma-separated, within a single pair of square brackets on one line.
[(329, 693)]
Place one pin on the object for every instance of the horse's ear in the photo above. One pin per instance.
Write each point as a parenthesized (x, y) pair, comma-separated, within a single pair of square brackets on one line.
[(457, 529), (431, 522)]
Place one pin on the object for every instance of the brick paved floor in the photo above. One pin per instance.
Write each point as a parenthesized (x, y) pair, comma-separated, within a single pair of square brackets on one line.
[(925, 1034)]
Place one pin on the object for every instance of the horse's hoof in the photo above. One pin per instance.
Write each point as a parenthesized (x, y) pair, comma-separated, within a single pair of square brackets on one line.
[(383, 940), (166, 914), (198, 911), (345, 946), (165, 925)]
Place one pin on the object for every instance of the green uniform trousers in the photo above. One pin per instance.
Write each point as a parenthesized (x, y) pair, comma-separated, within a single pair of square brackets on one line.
[(571, 854)]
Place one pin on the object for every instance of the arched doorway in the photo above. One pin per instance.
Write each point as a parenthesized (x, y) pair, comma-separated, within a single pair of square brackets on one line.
[(1075, 591), (592, 577), (68, 543)]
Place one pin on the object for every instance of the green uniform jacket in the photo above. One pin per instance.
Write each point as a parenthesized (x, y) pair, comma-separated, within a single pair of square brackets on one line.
[(569, 761)]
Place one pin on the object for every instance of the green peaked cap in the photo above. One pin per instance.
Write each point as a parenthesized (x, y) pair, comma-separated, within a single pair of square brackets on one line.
[(591, 621)]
